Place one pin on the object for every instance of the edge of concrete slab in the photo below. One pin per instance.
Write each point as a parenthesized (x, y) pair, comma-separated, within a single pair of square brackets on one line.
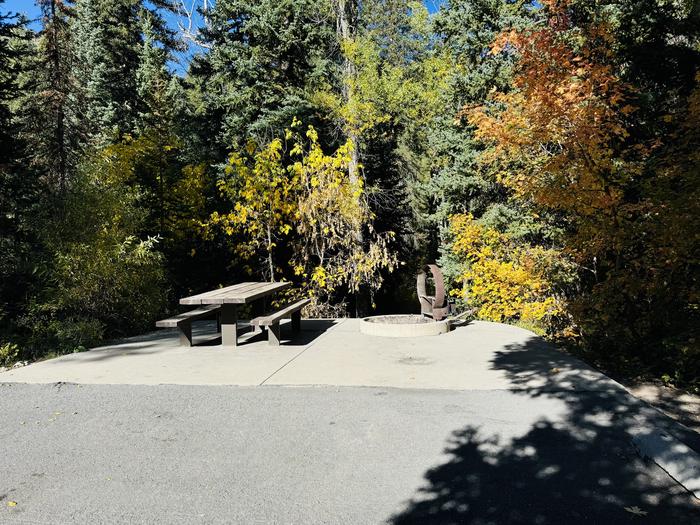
[(677, 459), (668, 443)]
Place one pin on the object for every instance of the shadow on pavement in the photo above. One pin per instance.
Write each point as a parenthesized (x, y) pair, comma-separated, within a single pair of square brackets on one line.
[(311, 329), (579, 469), (205, 335)]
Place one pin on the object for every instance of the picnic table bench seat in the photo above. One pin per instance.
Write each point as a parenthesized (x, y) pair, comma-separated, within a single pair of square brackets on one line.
[(224, 303), (184, 320), (272, 319)]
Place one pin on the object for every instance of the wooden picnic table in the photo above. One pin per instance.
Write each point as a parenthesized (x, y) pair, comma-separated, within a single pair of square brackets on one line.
[(229, 298)]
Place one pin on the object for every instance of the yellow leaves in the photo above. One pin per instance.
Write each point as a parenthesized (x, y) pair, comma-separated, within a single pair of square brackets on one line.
[(312, 134), (319, 276), (381, 89), (333, 222), (250, 148), (291, 187), (263, 193), (296, 150), (499, 277)]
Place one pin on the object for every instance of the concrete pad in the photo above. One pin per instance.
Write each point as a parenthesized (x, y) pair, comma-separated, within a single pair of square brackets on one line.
[(331, 352), (157, 358), (460, 360), (676, 458)]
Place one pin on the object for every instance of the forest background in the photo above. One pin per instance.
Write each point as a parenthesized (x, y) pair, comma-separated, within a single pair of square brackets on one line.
[(547, 154)]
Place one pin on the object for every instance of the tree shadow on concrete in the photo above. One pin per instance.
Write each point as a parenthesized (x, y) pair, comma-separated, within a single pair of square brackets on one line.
[(205, 335), (582, 468), (311, 329)]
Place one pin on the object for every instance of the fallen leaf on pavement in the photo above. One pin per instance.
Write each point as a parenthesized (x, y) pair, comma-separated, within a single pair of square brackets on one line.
[(11, 503), (636, 511)]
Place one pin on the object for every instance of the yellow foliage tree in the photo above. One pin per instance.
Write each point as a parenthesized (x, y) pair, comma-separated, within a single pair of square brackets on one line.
[(502, 280), (291, 192), (333, 213), (264, 194)]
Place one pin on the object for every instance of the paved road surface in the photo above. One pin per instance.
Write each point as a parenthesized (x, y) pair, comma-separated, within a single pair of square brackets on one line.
[(226, 454)]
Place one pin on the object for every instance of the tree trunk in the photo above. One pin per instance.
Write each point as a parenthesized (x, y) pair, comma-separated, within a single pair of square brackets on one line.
[(347, 12), (59, 96), (346, 26), (270, 264)]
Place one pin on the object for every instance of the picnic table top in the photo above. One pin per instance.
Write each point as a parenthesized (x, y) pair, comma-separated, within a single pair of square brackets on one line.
[(240, 293)]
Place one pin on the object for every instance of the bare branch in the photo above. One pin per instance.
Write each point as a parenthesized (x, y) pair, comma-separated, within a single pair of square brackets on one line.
[(187, 24)]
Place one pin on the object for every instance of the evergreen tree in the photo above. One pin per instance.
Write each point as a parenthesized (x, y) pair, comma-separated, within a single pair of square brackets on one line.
[(50, 119), (109, 49), (156, 107), (19, 190), (10, 26), (458, 181), (264, 55), (466, 29)]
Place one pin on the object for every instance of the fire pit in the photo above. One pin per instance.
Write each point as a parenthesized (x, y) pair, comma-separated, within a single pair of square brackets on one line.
[(409, 325), (432, 320)]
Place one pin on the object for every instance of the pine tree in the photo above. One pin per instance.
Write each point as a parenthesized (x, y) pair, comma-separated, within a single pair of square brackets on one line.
[(263, 57), (458, 182), (155, 87), (20, 193), (109, 49), (466, 29), (10, 67), (50, 110)]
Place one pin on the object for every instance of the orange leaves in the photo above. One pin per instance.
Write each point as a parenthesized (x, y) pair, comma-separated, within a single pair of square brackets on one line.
[(562, 126), (505, 40)]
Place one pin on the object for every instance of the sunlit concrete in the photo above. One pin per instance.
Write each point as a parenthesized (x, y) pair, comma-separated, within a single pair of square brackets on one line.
[(331, 352)]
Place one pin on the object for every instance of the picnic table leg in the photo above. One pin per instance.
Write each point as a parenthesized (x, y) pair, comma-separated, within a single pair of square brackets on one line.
[(258, 308), (273, 334), (296, 321), (229, 330), (185, 329)]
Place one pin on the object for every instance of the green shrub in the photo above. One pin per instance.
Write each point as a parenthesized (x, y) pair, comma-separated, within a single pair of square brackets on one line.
[(103, 277), (8, 353), (55, 336)]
